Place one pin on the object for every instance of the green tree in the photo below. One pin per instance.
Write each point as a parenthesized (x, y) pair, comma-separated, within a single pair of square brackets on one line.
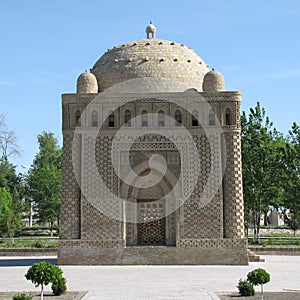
[(43, 273), (44, 179), (293, 220), (259, 277), (13, 183), (261, 162), (291, 178), (9, 221)]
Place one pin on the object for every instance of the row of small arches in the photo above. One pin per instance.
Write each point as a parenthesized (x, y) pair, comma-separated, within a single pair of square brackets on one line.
[(111, 120)]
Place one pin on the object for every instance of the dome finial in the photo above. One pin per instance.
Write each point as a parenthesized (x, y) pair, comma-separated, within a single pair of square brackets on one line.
[(151, 29)]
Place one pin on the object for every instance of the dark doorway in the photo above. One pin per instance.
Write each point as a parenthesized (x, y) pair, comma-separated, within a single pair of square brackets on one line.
[(152, 225)]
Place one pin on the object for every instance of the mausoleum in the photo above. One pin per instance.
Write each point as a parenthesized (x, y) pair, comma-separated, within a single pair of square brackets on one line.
[(151, 161)]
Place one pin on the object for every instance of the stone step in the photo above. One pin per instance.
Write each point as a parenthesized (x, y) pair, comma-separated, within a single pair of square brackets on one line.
[(253, 257)]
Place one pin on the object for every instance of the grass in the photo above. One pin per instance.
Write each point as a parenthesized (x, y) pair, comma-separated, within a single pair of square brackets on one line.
[(276, 240), (280, 235), (29, 243), (274, 243), (36, 237)]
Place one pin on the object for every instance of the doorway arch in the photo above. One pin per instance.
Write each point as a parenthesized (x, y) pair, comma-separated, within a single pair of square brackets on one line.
[(150, 202)]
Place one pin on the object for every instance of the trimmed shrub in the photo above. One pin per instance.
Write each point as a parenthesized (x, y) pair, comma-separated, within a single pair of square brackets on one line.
[(42, 273), (258, 276), (59, 286), (246, 288)]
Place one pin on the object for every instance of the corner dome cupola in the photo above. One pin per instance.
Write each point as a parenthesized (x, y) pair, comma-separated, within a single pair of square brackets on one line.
[(87, 83), (213, 81)]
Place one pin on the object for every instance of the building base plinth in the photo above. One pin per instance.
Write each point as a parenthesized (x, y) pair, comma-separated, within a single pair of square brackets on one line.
[(187, 252)]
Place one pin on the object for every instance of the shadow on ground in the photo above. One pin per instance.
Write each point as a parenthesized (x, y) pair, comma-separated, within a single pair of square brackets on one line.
[(36, 296), (267, 296), (24, 262)]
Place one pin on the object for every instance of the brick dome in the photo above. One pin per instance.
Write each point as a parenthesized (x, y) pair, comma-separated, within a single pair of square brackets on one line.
[(172, 67)]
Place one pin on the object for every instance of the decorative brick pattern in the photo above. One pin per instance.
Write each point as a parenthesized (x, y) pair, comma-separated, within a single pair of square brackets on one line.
[(212, 243), (205, 222), (70, 208), (96, 224), (233, 187), (203, 217)]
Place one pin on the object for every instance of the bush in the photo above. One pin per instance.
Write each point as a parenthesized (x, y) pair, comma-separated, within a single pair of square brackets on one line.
[(246, 288), (36, 227), (59, 286), (22, 297), (258, 276), (38, 244), (38, 231)]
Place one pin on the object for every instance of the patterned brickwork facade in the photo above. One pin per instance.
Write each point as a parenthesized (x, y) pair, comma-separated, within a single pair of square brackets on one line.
[(207, 227)]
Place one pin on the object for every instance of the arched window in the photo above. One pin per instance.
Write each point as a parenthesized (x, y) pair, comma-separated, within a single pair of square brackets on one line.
[(211, 118), (178, 118), (111, 120), (77, 118), (94, 118), (195, 121), (161, 118), (144, 119), (228, 116), (127, 118)]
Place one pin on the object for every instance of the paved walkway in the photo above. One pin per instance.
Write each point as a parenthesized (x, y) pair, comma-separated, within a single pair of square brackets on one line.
[(155, 282)]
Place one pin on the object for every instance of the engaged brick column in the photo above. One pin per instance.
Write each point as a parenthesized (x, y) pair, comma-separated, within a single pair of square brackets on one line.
[(70, 206), (233, 187)]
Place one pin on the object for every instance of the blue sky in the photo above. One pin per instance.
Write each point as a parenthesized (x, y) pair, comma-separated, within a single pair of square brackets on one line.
[(45, 45)]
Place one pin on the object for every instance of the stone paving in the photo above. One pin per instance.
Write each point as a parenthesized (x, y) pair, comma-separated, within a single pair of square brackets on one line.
[(157, 282)]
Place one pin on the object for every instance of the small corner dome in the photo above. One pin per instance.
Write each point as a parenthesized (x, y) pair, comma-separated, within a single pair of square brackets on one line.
[(213, 81), (87, 83)]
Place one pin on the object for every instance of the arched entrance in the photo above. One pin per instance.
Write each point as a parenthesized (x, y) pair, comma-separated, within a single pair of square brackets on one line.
[(153, 225)]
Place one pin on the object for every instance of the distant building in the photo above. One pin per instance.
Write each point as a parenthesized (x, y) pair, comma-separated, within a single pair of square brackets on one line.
[(152, 161), (276, 217)]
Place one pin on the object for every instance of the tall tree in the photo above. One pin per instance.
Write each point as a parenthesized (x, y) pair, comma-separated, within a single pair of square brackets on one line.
[(260, 142), (44, 179), (8, 140), (291, 178), (9, 180)]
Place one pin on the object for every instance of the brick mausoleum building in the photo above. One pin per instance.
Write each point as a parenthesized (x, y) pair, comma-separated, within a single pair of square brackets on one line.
[(151, 161)]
